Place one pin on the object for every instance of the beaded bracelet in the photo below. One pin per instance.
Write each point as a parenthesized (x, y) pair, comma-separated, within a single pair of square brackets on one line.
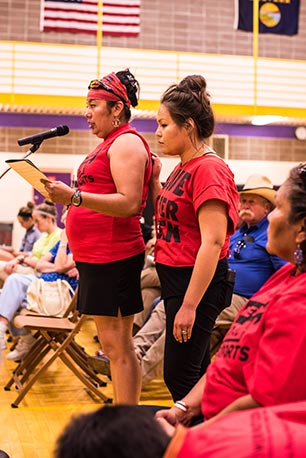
[(181, 405)]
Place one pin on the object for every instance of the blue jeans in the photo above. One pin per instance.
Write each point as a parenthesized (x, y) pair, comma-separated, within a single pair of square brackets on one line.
[(14, 296)]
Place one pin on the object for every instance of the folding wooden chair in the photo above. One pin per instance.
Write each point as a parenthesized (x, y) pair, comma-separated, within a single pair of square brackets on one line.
[(57, 337)]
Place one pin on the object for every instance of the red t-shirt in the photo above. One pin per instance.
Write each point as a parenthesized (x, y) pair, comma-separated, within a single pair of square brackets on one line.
[(95, 237), (270, 432), (263, 353), (187, 188)]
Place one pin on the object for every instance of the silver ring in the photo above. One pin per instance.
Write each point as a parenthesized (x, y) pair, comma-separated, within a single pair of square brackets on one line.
[(184, 332)]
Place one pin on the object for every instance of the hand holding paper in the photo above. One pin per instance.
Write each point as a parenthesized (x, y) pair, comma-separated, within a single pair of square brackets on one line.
[(58, 191)]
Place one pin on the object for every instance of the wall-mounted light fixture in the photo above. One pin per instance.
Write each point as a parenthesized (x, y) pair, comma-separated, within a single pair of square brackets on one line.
[(300, 132)]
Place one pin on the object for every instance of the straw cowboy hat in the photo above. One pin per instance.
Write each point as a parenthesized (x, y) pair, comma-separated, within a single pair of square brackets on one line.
[(261, 186)]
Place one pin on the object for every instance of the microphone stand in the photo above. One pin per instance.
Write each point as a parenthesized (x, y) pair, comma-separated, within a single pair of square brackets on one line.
[(30, 151)]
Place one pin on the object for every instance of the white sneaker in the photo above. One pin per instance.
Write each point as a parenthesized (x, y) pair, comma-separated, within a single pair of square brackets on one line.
[(22, 348)]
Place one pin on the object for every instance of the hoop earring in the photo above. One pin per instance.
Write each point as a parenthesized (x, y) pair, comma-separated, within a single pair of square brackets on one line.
[(298, 255), (116, 122)]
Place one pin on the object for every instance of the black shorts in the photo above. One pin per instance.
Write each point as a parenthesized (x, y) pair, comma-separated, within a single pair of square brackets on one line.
[(106, 288)]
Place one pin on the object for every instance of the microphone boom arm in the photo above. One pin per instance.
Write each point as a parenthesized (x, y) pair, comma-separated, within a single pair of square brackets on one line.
[(30, 151), (37, 139)]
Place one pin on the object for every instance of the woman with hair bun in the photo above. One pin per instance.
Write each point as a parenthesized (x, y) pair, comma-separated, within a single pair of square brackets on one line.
[(196, 212), (103, 225), (25, 219)]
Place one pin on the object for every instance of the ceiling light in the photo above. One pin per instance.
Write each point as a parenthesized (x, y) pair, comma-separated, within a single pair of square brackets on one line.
[(263, 120)]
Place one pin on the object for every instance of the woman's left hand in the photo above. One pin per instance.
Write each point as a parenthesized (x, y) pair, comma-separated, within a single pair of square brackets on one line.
[(183, 323), (58, 191)]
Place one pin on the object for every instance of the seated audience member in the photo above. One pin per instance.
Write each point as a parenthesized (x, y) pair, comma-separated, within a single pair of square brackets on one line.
[(57, 264), (149, 344), (248, 257), (150, 290), (150, 286), (25, 219), (248, 254), (132, 432), (147, 230), (44, 217), (262, 358)]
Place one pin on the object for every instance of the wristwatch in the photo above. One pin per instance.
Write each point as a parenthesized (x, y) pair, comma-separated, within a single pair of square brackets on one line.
[(76, 199)]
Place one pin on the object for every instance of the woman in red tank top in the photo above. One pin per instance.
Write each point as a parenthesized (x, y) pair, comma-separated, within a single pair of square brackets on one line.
[(103, 225)]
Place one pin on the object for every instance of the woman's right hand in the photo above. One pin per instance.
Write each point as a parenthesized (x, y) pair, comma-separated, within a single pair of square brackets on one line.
[(174, 415), (58, 191), (10, 266)]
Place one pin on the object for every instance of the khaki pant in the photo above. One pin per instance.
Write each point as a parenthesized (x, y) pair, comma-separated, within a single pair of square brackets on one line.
[(150, 290), (224, 321), (149, 344)]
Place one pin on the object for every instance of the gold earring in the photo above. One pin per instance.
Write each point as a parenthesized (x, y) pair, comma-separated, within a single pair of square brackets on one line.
[(116, 122)]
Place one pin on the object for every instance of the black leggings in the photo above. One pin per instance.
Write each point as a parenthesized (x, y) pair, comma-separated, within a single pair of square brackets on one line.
[(185, 363)]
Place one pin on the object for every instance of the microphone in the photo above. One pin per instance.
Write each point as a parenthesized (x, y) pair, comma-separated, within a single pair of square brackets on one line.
[(38, 138)]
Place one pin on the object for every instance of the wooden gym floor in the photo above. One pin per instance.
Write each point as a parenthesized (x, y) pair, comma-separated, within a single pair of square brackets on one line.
[(30, 430)]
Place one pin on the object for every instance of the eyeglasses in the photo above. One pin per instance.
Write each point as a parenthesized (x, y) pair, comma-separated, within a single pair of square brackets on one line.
[(99, 84), (242, 244), (239, 245)]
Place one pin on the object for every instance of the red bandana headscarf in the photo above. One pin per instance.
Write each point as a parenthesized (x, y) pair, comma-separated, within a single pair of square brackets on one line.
[(108, 88)]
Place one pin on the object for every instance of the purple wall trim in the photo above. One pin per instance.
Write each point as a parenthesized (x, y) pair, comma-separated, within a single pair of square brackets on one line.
[(142, 125), (247, 130), (73, 122), (39, 120)]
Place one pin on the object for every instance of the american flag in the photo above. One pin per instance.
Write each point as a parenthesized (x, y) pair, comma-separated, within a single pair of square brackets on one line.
[(119, 17)]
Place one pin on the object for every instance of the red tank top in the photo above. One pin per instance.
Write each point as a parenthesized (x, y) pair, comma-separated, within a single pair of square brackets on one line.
[(95, 237)]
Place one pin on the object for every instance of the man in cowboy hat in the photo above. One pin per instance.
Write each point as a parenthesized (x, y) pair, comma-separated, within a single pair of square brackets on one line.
[(248, 254)]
